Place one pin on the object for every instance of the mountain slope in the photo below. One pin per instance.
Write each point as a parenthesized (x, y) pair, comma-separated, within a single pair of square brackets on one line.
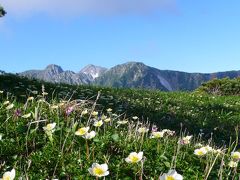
[(93, 71), (132, 75), (129, 75), (54, 73), (135, 74)]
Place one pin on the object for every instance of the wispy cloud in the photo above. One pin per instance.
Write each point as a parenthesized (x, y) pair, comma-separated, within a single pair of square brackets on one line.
[(88, 7)]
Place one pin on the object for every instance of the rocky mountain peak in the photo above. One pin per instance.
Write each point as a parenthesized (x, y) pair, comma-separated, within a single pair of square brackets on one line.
[(93, 71), (130, 75), (54, 69)]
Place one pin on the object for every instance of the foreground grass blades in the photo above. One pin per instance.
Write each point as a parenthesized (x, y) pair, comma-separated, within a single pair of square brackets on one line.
[(46, 138)]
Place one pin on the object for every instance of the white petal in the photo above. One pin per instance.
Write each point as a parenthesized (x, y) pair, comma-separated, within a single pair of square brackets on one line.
[(104, 167), (53, 125), (133, 154), (178, 177), (95, 165), (140, 154), (172, 172), (77, 133), (106, 173), (90, 170), (127, 160), (163, 177), (13, 173)]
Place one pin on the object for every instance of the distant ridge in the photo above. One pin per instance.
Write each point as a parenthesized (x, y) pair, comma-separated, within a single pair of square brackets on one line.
[(129, 75)]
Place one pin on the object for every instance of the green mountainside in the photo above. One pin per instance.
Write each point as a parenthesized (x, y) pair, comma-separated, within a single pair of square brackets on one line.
[(130, 75)]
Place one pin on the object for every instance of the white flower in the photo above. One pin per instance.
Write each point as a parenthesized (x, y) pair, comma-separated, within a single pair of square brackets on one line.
[(84, 112), (171, 175), (109, 110), (165, 130), (1, 135), (235, 156), (26, 115), (9, 175), (1, 92), (232, 164), (98, 123), (135, 117), (90, 135), (143, 130), (208, 148), (49, 127), (122, 122), (95, 113), (157, 134), (168, 131), (200, 152), (82, 131), (10, 106), (6, 102), (103, 117), (99, 170), (186, 140), (115, 115), (41, 100), (217, 151), (30, 98), (107, 120), (134, 157)]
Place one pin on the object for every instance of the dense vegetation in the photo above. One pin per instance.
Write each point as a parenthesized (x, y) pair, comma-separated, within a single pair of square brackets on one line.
[(222, 87), (197, 112), (61, 131)]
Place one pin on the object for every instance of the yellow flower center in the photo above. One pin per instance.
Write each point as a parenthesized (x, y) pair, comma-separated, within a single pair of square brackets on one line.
[(7, 178), (200, 153), (82, 131), (134, 159), (107, 120), (170, 178), (236, 156), (98, 171), (49, 127)]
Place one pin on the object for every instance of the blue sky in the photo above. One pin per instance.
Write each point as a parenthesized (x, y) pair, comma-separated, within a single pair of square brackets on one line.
[(184, 35)]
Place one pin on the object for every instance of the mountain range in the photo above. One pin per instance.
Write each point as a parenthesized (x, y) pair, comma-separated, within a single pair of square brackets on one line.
[(128, 75)]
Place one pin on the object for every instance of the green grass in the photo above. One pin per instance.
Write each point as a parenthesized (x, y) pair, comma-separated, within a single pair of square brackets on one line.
[(214, 116), (38, 154)]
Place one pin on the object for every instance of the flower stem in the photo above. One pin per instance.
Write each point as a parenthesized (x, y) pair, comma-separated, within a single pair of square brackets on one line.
[(87, 150)]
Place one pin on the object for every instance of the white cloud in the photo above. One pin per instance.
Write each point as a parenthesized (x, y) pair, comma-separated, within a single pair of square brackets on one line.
[(87, 7)]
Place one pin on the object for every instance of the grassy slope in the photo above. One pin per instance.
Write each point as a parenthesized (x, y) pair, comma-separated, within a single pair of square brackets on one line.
[(195, 112), (26, 147)]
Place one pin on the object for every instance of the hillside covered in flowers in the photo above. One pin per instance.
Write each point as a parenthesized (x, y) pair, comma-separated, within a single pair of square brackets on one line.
[(65, 134)]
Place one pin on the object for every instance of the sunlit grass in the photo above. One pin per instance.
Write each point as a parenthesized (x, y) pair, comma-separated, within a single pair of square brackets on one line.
[(78, 139)]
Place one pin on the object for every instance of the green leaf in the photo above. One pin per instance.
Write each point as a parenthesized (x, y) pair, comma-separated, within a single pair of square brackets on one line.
[(163, 157), (115, 137), (167, 164), (96, 140)]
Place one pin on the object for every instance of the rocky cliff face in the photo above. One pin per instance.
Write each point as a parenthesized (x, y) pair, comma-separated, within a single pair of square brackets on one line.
[(134, 74), (93, 71), (55, 74), (130, 75)]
